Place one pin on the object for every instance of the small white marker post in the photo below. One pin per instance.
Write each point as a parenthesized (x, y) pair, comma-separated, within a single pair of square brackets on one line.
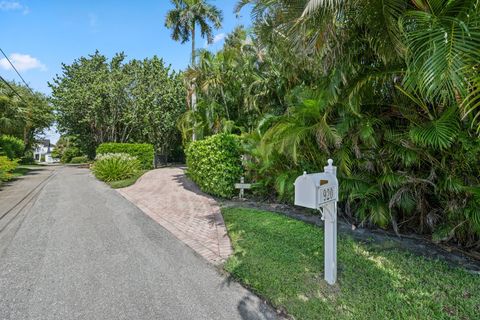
[(320, 191), (242, 186)]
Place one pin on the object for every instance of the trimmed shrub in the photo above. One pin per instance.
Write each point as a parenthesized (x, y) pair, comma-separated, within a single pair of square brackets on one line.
[(6, 168), (115, 166), (11, 147), (142, 151), (214, 164), (81, 159)]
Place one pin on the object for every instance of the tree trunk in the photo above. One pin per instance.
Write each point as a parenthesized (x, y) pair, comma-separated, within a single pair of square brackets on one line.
[(26, 141), (194, 95), (193, 43)]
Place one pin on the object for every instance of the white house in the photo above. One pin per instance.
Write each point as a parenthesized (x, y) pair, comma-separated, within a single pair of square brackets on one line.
[(43, 151)]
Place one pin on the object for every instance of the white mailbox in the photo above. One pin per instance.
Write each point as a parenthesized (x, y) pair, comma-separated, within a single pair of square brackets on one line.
[(320, 191), (314, 190)]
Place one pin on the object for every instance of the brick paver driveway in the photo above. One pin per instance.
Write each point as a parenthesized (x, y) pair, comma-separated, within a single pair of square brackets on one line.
[(172, 200)]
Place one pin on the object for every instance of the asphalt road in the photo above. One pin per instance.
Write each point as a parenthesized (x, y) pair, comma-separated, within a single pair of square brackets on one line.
[(79, 250)]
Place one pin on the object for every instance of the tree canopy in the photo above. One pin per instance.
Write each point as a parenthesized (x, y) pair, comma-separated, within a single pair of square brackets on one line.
[(98, 101), (25, 115)]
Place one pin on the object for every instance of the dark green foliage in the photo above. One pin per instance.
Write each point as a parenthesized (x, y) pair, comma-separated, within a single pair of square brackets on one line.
[(396, 168), (11, 147), (115, 166), (142, 151), (214, 164)]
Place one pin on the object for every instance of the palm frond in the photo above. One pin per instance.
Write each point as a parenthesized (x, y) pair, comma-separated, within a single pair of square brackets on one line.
[(315, 5), (440, 46), (439, 133)]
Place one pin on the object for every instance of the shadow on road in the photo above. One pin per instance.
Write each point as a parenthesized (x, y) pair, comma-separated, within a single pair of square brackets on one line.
[(252, 307), (32, 171)]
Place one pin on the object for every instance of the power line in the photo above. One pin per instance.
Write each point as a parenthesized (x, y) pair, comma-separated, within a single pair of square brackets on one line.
[(11, 88), (6, 57)]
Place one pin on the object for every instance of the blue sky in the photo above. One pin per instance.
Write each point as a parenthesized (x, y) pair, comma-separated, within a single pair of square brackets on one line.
[(40, 35)]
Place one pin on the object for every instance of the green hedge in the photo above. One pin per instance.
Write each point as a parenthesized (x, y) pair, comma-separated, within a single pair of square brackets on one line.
[(142, 151), (79, 160), (214, 164)]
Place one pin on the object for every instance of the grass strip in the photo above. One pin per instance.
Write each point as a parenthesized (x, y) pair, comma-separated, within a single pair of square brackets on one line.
[(127, 182), (282, 260)]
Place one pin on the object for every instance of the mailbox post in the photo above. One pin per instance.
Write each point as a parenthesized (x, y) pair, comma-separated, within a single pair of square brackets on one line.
[(329, 216), (320, 191)]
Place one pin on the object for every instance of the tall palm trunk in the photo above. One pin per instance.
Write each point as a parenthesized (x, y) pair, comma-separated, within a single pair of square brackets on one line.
[(193, 44), (194, 95)]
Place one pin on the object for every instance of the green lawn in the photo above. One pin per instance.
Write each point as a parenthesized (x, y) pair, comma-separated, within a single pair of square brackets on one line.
[(127, 182), (282, 260)]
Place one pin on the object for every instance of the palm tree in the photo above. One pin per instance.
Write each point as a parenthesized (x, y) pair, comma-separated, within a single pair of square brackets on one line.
[(183, 21), (185, 17)]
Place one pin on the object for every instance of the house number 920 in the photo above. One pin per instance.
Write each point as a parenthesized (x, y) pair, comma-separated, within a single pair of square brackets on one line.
[(328, 193)]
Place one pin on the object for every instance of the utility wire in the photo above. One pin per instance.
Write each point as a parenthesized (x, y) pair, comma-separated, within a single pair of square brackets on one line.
[(6, 57), (11, 88)]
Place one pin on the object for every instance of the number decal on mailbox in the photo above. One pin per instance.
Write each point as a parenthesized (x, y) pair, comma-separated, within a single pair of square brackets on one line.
[(327, 194)]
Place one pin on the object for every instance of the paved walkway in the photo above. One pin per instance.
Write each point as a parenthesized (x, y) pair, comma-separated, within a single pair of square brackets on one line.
[(81, 251), (172, 200)]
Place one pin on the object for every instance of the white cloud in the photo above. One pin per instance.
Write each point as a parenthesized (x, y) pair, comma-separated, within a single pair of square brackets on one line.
[(22, 62), (13, 6), (219, 37)]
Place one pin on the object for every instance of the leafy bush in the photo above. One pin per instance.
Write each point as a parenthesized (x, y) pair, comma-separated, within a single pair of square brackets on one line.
[(66, 149), (424, 176), (68, 154), (142, 151), (81, 159), (115, 166), (6, 168), (11, 147), (28, 158), (214, 164)]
